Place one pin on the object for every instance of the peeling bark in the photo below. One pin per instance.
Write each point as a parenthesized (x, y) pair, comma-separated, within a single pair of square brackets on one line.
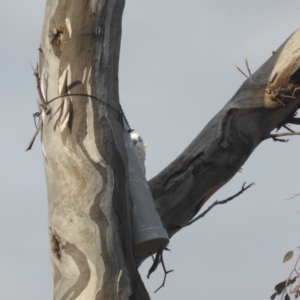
[(85, 156), (84, 153)]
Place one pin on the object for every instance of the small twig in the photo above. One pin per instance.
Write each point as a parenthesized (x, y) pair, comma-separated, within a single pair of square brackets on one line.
[(247, 65), (284, 292), (165, 270), (287, 96), (280, 140), (118, 284), (275, 136), (65, 108), (281, 287), (292, 197), (217, 202), (38, 85), (34, 136), (156, 262), (279, 101), (241, 71), (297, 88), (42, 106), (287, 128)]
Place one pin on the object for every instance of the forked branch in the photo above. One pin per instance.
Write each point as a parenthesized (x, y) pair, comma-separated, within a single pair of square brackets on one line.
[(156, 261), (248, 69)]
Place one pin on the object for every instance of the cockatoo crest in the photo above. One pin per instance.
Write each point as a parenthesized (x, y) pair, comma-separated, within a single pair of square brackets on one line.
[(139, 147)]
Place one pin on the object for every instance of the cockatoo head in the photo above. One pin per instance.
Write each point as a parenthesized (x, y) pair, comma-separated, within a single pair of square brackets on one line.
[(139, 148), (137, 140)]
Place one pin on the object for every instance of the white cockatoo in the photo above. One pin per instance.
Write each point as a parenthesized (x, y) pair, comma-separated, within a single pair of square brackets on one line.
[(139, 147)]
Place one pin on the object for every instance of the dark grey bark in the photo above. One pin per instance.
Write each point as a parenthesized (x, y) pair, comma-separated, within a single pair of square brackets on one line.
[(266, 100)]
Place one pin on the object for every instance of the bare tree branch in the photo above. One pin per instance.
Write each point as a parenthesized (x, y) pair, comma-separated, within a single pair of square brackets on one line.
[(159, 259), (294, 196), (248, 68), (295, 121), (241, 71), (276, 136), (247, 65), (156, 262), (34, 136), (243, 189), (43, 102), (287, 128)]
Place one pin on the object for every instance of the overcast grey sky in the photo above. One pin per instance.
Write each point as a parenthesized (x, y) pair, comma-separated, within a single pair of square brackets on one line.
[(176, 73)]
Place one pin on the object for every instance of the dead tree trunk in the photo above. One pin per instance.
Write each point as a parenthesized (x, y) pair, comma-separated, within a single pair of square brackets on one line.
[(85, 158)]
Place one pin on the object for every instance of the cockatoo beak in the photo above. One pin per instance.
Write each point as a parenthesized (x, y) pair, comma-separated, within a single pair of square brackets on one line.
[(145, 145), (134, 142)]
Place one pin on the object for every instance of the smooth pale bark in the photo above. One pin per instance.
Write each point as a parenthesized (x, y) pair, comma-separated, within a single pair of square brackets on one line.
[(84, 153), (265, 100), (85, 157)]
